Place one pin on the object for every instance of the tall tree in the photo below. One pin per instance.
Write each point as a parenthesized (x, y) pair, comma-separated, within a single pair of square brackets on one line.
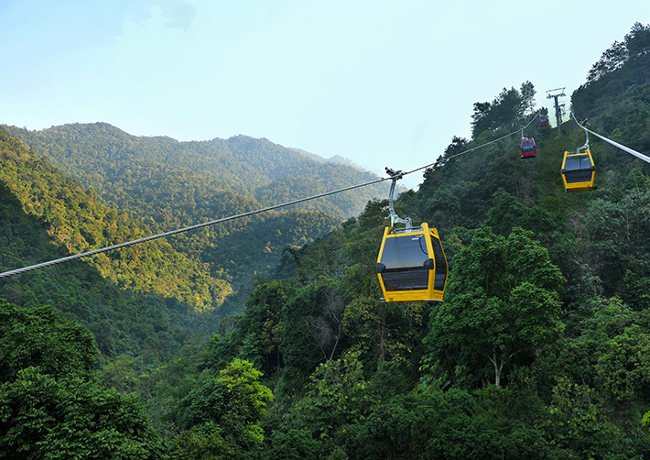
[(502, 305), (50, 404), (527, 91)]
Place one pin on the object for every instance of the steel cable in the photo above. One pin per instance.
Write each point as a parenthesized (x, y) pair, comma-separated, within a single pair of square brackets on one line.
[(235, 216), (639, 155)]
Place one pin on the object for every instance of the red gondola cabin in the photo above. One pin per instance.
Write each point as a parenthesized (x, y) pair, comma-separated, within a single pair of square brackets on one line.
[(528, 147), (543, 120)]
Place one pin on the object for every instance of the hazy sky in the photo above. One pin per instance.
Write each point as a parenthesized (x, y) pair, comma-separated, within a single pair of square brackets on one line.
[(379, 82)]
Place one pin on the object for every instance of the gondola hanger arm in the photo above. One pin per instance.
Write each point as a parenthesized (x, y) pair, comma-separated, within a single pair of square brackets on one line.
[(394, 218)]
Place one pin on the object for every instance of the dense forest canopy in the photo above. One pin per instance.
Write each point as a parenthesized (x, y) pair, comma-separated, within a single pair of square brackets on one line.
[(164, 184), (541, 348)]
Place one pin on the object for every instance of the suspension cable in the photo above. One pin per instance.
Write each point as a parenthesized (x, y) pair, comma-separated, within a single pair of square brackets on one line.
[(478, 147), (237, 216), (639, 155)]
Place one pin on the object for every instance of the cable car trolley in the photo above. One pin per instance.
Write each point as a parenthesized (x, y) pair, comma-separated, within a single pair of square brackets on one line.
[(578, 169), (411, 265)]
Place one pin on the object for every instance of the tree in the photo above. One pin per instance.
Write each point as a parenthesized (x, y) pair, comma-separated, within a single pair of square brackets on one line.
[(311, 328), (337, 394), (262, 323), (481, 112), (624, 367), (646, 422), (637, 42), (44, 417), (502, 305), (507, 211), (527, 91), (505, 111), (293, 444), (611, 59), (223, 414), (618, 240), (42, 337), (578, 428), (430, 424)]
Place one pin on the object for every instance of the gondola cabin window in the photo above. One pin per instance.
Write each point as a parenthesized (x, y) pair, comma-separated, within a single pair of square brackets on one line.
[(578, 171), (578, 168), (404, 258), (441, 268)]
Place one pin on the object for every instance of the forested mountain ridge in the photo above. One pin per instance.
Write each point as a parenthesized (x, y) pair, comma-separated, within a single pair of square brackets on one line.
[(541, 348), (167, 184), (120, 166), (79, 221)]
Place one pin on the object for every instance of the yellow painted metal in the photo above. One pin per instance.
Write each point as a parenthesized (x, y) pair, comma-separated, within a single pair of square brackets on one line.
[(429, 294), (582, 186)]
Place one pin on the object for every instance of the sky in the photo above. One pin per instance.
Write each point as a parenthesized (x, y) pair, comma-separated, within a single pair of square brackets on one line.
[(382, 83)]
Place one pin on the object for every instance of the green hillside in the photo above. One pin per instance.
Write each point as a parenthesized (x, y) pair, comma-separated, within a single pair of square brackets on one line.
[(79, 221), (152, 176), (167, 184), (122, 321)]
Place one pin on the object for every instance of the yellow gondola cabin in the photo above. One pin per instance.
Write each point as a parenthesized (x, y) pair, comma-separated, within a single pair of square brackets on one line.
[(412, 265), (578, 171)]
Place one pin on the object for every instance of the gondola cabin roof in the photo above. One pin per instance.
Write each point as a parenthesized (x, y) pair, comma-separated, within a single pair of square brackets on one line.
[(411, 265), (578, 171)]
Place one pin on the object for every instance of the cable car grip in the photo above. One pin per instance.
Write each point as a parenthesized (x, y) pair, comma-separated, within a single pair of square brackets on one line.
[(394, 218)]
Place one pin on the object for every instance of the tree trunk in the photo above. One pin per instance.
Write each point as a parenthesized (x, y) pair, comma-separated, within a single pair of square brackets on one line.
[(497, 375), (498, 367)]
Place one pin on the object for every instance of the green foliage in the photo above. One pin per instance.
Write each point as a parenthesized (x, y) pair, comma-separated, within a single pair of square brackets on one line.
[(505, 111), (79, 221), (336, 395), (313, 326), (578, 428), (646, 422), (262, 322), (624, 366), (293, 444), (428, 424), (166, 184), (223, 414), (507, 212), (502, 305), (122, 321), (635, 46), (616, 95), (618, 232), (50, 405), (44, 417), (43, 338), (204, 441)]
